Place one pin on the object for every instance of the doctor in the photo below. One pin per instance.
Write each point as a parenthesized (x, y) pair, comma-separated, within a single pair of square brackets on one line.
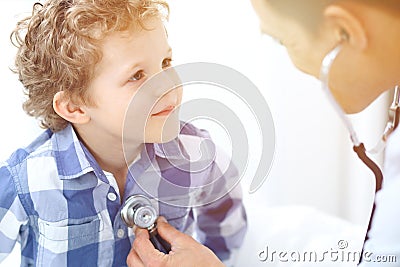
[(368, 64)]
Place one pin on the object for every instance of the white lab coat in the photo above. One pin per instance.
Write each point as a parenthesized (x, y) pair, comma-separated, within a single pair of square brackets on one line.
[(384, 236)]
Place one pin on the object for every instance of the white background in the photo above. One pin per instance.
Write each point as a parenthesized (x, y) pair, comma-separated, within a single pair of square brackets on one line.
[(317, 192)]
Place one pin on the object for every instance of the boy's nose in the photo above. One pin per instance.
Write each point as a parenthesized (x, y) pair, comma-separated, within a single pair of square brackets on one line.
[(165, 84), (171, 97)]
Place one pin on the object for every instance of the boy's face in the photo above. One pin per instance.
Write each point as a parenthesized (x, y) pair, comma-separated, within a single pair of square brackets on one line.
[(129, 59)]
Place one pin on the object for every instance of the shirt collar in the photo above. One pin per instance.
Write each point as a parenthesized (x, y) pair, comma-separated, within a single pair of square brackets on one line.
[(70, 154), (74, 159), (170, 150)]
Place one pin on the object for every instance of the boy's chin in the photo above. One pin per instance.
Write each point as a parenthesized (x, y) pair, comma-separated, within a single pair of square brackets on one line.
[(166, 135), (161, 139)]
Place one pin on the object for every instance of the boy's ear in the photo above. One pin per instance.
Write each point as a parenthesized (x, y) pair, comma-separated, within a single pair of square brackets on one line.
[(349, 27), (68, 110)]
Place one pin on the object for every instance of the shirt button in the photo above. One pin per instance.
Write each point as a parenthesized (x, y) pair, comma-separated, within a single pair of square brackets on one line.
[(120, 233), (112, 196)]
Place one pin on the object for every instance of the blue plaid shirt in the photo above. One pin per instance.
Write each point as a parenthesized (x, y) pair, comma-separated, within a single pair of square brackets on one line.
[(64, 209)]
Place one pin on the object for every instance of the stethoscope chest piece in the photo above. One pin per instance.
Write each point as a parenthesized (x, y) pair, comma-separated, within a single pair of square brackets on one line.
[(138, 211)]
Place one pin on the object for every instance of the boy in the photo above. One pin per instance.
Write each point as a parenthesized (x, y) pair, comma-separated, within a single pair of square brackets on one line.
[(81, 62)]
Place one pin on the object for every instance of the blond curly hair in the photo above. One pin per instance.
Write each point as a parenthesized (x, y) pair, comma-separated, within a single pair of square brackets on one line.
[(59, 46)]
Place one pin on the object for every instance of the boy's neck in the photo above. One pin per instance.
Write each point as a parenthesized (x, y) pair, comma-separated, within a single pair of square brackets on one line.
[(109, 153)]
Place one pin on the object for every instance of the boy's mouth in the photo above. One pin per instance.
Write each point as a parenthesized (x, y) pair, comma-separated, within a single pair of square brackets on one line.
[(165, 112)]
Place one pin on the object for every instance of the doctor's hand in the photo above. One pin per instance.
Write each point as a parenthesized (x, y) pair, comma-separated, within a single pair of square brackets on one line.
[(185, 251)]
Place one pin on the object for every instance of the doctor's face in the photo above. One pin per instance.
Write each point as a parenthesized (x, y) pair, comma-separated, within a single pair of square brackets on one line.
[(358, 76), (299, 42)]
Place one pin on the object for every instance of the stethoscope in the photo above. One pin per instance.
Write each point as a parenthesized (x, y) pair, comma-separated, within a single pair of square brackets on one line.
[(138, 211), (358, 147)]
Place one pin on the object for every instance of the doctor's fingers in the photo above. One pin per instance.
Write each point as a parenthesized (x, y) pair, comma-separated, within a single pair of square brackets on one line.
[(145, 251), (170, 234), (133, 259)]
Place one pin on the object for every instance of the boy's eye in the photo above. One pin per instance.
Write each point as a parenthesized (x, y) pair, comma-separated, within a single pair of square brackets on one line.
[(137, 76), (166, 63)]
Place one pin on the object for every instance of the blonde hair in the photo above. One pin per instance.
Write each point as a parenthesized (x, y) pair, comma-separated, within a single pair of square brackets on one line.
[(59, 46)]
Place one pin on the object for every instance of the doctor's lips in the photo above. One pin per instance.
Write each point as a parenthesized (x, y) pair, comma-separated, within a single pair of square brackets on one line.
[(164, 112)]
